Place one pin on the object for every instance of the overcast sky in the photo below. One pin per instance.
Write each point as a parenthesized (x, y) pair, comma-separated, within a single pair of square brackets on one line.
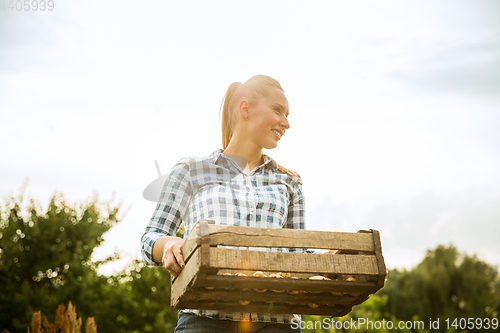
[(394, 108)]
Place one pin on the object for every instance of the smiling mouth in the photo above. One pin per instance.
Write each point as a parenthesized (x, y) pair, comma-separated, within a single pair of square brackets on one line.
[(278, 134)]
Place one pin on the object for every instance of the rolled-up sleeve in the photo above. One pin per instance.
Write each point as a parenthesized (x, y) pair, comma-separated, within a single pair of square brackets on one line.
[(172, 206)]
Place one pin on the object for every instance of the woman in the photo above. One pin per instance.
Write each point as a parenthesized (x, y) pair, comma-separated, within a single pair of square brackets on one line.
[(236, 185)]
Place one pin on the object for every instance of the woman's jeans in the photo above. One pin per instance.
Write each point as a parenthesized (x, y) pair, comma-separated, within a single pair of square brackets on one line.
[(191, 323)]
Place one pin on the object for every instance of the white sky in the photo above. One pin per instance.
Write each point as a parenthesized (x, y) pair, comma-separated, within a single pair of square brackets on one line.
[(394, 108)]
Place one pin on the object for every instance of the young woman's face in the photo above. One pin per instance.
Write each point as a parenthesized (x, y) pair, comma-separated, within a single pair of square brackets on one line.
[(268, 119)]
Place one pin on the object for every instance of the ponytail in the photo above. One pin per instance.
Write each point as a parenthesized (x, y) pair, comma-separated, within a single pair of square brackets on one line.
[(227, 122)]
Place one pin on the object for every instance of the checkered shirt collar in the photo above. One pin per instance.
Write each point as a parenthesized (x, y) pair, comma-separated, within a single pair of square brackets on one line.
[(267, 160)]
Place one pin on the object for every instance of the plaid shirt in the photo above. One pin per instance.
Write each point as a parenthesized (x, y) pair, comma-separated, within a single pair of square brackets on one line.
[(216, 188)]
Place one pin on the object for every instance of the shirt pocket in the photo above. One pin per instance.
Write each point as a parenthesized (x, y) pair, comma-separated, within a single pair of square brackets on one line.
[(212, 195), (218, 200), (273, 204)]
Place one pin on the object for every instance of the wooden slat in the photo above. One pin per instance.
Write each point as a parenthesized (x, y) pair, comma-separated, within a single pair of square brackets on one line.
[(293, 262), (250, 282), (261, 307), (380, 259), (188, 247), (288, 238), (202, 294), (187, 250), (187, 276), (381, 268)]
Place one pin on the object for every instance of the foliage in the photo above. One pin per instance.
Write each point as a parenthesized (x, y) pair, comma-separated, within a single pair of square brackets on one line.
[(356, 320), (444, 285), (138, 300), (370, 311), (45, 259), (45, 255)]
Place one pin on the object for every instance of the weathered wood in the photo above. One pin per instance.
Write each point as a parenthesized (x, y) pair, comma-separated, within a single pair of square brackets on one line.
[(292, 262), (186, 278), (250, 282), (187, 250), (194, 240), (201, 284), (203, 294), (289, 238), (262, 307), (380, 265)]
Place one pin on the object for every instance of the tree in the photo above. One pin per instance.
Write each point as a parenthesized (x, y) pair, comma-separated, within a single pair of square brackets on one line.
[(45, 260), (45, 256), (138, 300), (444, 285)]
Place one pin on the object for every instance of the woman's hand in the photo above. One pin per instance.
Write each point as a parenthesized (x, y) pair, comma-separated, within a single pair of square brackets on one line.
[(172, 257), (168, 248), (330, 252)]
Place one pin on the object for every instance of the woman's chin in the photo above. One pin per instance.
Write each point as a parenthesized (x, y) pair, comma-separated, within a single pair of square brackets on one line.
[(271, 146)]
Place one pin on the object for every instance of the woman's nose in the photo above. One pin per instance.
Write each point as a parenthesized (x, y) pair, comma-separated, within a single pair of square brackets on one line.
[(285, 123)]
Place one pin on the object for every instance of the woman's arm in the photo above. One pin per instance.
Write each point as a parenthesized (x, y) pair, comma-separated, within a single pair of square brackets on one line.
[(159, 246)]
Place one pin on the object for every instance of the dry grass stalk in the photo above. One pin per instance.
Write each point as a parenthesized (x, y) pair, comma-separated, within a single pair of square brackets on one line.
[(49, 328), (67, 321), (75, 323), (90, 326), (60, 317), (36, 323)]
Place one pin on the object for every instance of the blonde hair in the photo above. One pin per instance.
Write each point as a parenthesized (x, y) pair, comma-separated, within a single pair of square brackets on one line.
[(255, 87)]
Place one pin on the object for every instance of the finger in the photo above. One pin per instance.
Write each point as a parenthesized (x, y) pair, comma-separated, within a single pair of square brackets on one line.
[(171, 264), (178, 257), (171, 272), (171, 268)]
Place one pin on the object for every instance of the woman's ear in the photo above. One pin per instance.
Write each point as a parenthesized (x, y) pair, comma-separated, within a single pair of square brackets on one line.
[(243, 108)]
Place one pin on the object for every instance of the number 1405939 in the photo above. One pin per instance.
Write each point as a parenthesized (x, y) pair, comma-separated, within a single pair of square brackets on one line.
[(472, 323)]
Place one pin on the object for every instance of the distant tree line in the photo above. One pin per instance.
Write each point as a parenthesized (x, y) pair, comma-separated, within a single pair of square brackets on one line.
[(45, 261)]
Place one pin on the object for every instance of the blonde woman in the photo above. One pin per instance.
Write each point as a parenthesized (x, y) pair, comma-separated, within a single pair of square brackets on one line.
[(235, 185)]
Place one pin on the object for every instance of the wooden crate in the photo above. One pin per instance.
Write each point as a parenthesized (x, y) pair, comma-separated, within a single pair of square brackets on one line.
[(202, 284)]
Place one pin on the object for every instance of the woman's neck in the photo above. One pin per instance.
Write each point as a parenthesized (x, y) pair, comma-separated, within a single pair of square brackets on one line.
[(253, 157)]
